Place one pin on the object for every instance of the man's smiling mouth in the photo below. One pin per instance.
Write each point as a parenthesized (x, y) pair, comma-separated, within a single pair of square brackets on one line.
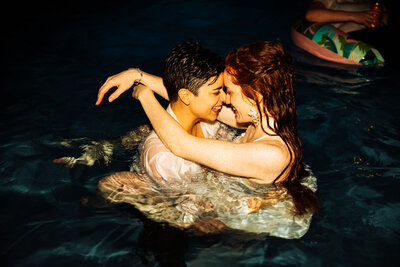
[(217, 109)]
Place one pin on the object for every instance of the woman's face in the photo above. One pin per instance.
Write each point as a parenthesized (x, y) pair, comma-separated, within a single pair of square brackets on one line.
[(240, 104)]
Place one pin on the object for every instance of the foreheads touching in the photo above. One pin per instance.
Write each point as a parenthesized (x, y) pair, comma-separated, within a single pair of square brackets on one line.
[(263, 67), (189, 65)]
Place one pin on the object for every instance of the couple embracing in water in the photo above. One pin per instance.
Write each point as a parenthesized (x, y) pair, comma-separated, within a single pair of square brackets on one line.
[(252, 90)]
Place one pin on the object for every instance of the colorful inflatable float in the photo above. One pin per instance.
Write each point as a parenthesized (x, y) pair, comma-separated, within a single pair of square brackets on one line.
[(329, 43)]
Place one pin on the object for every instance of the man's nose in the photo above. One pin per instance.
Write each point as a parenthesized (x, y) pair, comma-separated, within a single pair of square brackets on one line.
[(227, 99), (223, 96)]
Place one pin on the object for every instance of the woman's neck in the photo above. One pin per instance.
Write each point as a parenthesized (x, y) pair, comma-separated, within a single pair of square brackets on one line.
[(254, 132)]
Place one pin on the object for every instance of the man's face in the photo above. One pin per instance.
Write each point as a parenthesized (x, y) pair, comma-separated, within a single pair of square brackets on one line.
[(208, 103)]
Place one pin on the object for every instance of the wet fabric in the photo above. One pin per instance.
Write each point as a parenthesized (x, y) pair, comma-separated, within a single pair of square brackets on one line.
[(162, 166), (193, 193)]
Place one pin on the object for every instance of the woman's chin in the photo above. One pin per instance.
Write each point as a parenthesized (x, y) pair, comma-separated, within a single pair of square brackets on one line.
[(241, 120)]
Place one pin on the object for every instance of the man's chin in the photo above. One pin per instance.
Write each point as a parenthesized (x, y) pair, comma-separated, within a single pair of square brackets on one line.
[(214, 118), (210, 118)]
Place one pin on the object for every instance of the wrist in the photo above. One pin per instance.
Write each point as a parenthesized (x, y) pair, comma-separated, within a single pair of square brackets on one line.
[(144, 94), (136, 74)]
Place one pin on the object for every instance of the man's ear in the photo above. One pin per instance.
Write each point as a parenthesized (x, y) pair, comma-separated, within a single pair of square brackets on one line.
[(185, 96)]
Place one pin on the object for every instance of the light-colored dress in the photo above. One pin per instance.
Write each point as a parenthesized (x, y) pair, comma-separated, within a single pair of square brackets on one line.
[(174, 190)]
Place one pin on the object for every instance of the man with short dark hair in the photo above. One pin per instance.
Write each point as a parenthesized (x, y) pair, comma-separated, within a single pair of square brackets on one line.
[(192, 82), (193, 79)]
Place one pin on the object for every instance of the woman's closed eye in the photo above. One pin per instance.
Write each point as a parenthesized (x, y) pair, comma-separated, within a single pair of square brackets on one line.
[(227, 90)]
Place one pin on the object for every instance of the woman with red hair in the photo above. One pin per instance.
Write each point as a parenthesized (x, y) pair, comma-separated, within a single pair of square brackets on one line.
[(266, 187), (259, 89)]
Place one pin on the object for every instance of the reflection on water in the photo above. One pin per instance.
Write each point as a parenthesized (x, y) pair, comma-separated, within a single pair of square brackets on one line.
[(347, 119), (209, 201)]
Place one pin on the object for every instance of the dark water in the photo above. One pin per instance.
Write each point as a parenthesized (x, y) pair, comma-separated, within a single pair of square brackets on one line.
[(55, 59)]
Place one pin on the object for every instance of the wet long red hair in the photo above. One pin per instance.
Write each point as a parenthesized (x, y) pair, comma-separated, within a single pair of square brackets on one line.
[(266, 68)]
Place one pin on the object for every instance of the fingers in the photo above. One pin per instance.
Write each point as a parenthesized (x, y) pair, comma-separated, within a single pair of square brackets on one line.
[(137, 90), (371, 19), (118, 92), (122, 81), (367, 22), (104, 89), (253, 204)]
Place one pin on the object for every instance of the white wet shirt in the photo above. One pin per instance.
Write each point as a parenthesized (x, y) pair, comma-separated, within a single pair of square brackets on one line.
[(185, 192), (162, 166)]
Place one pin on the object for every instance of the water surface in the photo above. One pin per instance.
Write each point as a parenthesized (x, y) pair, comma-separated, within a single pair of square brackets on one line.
[(55, 60)]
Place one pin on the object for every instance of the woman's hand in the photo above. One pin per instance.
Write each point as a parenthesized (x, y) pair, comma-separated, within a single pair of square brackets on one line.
[(366, 18), (254, 204), (123, 81), (317, 12)]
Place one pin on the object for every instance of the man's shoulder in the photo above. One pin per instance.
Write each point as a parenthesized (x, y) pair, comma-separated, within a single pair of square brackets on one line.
[(154, 143)]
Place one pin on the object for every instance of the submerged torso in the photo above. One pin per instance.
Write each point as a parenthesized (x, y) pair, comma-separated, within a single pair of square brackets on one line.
[(165, 168), (206, 193)]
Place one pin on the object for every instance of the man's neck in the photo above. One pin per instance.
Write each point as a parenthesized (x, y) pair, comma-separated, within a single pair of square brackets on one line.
[(184, 115)]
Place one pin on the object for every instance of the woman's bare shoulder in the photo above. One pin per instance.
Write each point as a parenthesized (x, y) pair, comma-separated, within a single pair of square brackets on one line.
[(274, 158)]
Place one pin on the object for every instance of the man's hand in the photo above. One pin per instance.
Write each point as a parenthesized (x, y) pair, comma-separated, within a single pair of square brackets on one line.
[(123, 81), (140, 90)]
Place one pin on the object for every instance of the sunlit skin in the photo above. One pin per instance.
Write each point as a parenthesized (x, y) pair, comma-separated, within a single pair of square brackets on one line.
[(240, 104), (206, 105), (189, 108), (261, 161), (317, 12)]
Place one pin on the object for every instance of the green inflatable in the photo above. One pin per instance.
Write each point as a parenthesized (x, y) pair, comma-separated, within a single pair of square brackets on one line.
[(329, 43)]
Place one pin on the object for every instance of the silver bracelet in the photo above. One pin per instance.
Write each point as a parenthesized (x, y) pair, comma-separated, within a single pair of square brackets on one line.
[(141, 76)]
